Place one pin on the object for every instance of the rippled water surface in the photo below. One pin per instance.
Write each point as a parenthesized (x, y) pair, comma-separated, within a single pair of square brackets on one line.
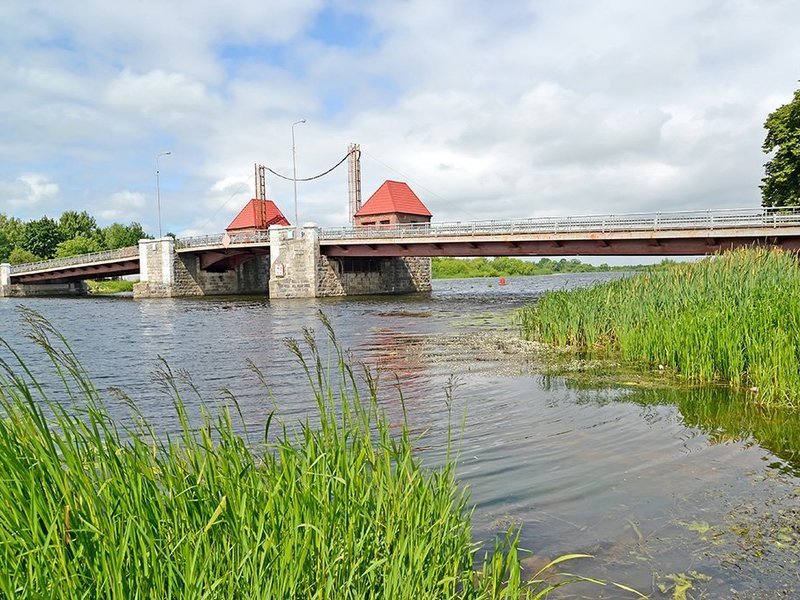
[(662, 493)]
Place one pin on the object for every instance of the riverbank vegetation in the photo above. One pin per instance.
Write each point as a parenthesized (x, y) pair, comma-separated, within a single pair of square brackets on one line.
[(732, 318), (340, 509), (503, 266), (109, 286)]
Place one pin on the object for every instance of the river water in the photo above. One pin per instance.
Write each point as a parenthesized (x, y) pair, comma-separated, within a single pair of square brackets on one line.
[(667, 489)]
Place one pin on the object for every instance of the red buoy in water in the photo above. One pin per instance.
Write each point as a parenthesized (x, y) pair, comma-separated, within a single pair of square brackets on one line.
[(502, 281)]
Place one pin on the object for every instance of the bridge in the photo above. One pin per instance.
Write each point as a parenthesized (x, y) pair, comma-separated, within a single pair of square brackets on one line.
[(311, 261)]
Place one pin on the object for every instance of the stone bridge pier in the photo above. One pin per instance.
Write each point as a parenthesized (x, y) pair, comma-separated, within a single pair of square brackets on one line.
[(294, 268), (5, 279), (299, 270), (156, 269), (165, 273)]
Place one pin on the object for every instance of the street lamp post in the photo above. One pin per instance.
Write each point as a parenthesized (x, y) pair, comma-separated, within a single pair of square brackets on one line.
[(158, 190), (294, 172)]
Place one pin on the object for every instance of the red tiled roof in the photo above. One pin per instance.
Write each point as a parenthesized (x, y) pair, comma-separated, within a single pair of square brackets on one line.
[(258, 214), (393, 197)]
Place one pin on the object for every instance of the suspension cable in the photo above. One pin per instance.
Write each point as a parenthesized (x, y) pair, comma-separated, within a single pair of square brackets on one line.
[(310, 178)]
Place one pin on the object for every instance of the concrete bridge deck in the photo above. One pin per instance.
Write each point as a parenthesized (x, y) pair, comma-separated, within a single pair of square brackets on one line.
[(659, 234), (111, 263), (643, 234)]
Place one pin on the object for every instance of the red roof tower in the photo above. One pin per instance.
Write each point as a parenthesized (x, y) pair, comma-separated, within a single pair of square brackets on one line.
[(257, 215), (392, 203)]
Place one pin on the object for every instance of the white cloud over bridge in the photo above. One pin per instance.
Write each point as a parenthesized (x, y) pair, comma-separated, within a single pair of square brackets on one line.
[(488, 110)]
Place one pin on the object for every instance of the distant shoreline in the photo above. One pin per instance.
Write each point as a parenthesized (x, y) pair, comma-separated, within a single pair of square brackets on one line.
[(474, 268)]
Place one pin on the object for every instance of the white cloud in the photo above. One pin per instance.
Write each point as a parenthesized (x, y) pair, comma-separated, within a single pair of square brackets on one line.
[(124, 206), (159, 95), (28, 193), (526, 108)]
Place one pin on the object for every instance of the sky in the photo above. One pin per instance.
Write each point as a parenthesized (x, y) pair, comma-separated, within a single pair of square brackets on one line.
[(488, 110)]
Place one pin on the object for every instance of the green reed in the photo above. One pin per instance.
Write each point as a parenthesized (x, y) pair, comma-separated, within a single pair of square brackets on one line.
[(341, 509), (732, 318)]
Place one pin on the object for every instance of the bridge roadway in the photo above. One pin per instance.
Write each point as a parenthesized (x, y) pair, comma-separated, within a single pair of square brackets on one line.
[(645, 234)]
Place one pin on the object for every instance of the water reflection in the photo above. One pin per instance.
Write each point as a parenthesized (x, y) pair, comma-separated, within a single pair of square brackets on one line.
[(722, 416)]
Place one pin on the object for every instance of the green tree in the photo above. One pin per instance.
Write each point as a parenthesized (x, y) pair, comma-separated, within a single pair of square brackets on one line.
[(5, 247), (117, 235), (41, 237), (77, 245), (506, 266), (20, 256), (12, 227), (77, 224), (781, 185)]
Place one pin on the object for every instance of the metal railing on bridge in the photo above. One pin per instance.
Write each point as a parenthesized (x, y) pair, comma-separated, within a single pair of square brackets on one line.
[(661, 221), (199, 241), (78, 260), (218, 239), (707, 219)]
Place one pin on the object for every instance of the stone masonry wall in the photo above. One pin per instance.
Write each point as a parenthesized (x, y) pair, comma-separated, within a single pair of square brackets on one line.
[(329, 278), (396, 276), (25, 290), (148, 289), (251, 277), (186, 269), (413, 274)]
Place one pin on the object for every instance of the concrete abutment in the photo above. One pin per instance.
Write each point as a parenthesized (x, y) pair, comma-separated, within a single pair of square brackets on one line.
[(27, 290), (5, 280), (299, 270)]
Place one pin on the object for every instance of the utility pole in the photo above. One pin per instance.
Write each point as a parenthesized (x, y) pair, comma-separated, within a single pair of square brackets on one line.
[(353, 181), (158, 190), (261, 182), (294, 172)]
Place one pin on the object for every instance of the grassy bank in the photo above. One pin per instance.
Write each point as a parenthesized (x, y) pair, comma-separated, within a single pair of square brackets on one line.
[(109, 286), (340, 510), (503, 266), (733, 318)]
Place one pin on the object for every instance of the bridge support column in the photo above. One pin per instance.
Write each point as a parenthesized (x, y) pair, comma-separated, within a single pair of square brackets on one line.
[(156, 268), (5, 280), (294, 261)]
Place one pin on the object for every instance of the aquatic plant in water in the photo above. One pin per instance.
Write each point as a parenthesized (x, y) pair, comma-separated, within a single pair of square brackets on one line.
[(733, 318), (342, 509)]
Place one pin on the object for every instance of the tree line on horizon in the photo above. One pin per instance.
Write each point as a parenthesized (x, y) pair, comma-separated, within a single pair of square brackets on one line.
[(71, 234), (505, 266)]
